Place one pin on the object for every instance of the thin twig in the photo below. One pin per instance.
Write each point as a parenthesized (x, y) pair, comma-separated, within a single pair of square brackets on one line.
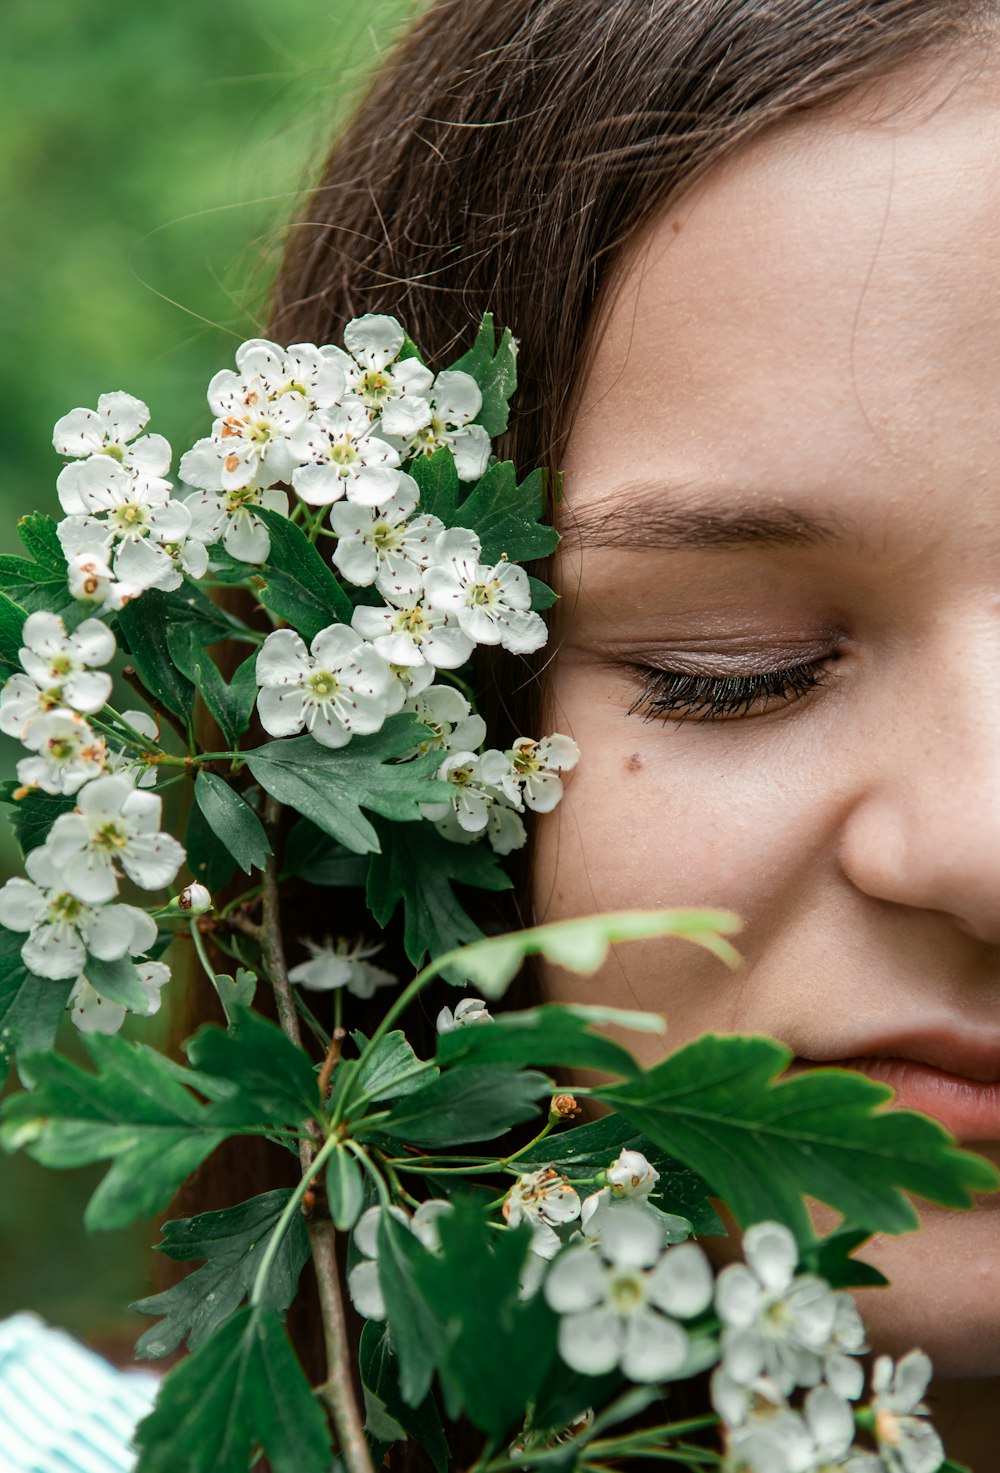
[(274, 951), (237, 922), (331, 1061)]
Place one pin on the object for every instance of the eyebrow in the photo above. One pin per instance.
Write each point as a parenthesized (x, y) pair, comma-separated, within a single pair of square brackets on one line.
[(654, 515)]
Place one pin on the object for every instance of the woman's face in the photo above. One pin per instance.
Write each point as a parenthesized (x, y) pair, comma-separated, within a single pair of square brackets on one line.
[(782, 506)]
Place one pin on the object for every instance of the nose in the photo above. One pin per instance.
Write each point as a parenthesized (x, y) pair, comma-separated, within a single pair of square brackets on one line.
[(922, 825)]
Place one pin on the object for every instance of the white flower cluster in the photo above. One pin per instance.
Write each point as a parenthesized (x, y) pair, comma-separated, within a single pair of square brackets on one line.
[(783, 1330)]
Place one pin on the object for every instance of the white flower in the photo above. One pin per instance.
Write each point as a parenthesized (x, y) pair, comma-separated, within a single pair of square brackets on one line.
[(91, 579), (124, 759), (406, 682), (314, 373), (493, 605), (544, 1199), (363, 1281), (386, 545), (470, 800), (59, 663), (111, 430), (450, 718), (336, 689), (196, 899), (414, 636), (469, 1011), (527, 773), (114, 824), (230, 515), (764, 1435), (396, 391), (346, 458), (258, 436), (630, 1175), (67, 753), (95, 1014), (906, 1441), (455, 399), (131, 517), (618, 1305), (777, 1323), (341, 964), (62, 928)]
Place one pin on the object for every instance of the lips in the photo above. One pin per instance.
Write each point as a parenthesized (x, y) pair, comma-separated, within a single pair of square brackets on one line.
[(953, 1079)]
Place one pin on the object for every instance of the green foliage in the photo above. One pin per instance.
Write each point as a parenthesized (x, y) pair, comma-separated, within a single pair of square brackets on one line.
[(236, 993), (465, 1104), (33, 814), (12, 617), (230, 705), (380, 1375), (504, 515), (418, 866), (764, 1145), (30, 1006), (331, 787), (298, 585), (272, 1078), (345, 1188), (390, 1070), (208, 858), (242, 1389), (553, 1034), (132, 1112), (144, 625), (118, 982), (232, 1243), (39, 581), (415, 1319), (232, 820), (493, 365), (311, 855)]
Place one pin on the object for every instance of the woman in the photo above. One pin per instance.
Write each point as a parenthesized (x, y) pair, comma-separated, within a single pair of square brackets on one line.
[(748, 251)]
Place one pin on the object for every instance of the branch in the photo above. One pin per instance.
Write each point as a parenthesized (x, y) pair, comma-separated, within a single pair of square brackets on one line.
[(131, 676), (338, 1389)]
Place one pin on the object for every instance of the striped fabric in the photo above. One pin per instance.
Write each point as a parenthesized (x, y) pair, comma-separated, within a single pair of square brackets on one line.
[(63, 1409)]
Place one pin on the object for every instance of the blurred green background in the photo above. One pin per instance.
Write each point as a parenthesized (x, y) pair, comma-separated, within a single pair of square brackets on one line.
[(150, 157)]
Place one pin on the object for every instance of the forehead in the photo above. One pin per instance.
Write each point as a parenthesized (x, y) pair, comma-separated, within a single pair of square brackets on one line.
[(821, 309)]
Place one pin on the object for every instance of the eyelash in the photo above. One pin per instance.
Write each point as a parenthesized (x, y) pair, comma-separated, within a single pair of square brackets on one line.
[(678, 695)]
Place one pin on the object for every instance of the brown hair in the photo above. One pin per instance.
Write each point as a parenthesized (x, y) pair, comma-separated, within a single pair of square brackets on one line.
[(505, 154)]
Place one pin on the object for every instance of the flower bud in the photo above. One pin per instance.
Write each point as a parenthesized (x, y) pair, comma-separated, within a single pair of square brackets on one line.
[(469, 1010), (632, 1175), (193, 898), (563, 1107)]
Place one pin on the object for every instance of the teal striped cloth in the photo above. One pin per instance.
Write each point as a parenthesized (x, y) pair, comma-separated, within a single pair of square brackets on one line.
[(64, 1409)]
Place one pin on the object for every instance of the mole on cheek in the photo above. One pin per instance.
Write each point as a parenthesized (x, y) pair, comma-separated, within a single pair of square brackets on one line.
[(634, 763)]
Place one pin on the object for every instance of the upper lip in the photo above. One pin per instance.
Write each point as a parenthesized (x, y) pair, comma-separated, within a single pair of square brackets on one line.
[(960, 1054)]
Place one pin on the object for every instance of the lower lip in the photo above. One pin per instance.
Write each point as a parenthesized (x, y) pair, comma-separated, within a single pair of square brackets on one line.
[(967, 1109)]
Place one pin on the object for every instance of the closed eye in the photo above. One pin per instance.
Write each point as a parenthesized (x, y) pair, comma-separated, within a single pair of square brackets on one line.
[(681, 696)]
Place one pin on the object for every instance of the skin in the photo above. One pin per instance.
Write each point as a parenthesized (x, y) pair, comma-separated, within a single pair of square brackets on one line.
[(813, 329)]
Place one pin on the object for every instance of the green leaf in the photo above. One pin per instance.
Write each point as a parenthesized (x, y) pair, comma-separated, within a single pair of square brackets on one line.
[(117, 982), (542, 596), (506, 516), (236, 992), (242, 1389), (132, 1112), (420, 867), (763, 1145), (232, 820), (30, 1006), (494, 367), (232, 1243), (380, 1374), (417, 1330), (554, 1034), (391, 1070), (466, 1104), (34, 588), (298, 584), (230, 706), (332, 787), (582, 945), (585, 1150), (145, 625), (498, 1347), (267, 1069), (40, 537), (345, 1189), (33, 814), (313, 856), (439, 485), (830, 1257), (12, 617), (208, 858)]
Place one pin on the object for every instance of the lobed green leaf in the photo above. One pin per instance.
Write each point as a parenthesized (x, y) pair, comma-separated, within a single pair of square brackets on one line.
[(494, 367), (554, 1034), (232, 820), (269, 1073), (380, 1374), (30, 1006), (466, 1104)]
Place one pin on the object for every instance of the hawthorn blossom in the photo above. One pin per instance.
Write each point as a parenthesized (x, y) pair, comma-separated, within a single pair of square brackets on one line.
[(764, 1435), (59, 663), (363, 1281), (790, 1327), (132, 518), (416, 635), (620, 1306), (470, 800), (493, 605), (907, 1442), (258, 437), (527, 773), (66, 752), (545, 1200), (334, 690), (469, 1011), (345, 457), (406, 683), (630, 1175), (114, 828), (229, 515), (111, 430), (93, 1013), (91, 579), (450, 718), (386, 545), (393, 390), (341, 964), (62, 928), (455, 400), (314, 373)]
